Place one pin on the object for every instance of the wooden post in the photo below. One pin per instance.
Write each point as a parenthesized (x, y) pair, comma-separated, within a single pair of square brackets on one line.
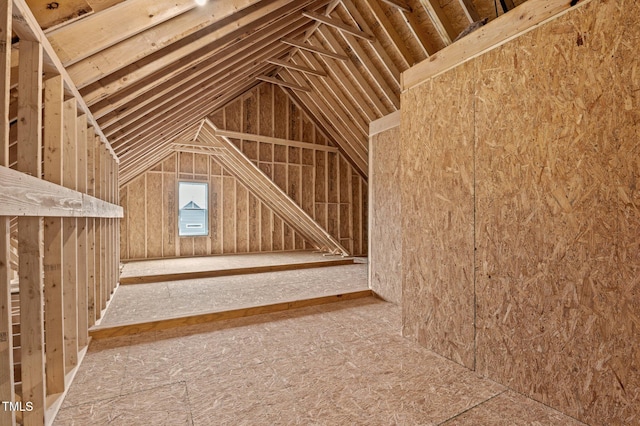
[(81, 185), (109, 232), (91, 238), (70, 240), (30, 234), (7, 392), (99, 240), (116, 200), (53, 279), (104, 254)]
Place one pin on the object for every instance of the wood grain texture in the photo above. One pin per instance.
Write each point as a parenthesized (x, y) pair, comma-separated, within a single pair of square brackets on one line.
[(24, 195), (385, 232), (7, 391), (130, 329)]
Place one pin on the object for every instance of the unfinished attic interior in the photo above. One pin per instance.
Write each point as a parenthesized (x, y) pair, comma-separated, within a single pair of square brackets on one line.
[(320, 212)]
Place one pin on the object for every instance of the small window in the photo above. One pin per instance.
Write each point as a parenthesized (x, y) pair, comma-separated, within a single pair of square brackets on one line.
[(193, 216)]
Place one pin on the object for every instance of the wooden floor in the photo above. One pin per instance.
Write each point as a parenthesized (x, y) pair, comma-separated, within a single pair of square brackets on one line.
[(336, 364), (188, 267), (171, 299)]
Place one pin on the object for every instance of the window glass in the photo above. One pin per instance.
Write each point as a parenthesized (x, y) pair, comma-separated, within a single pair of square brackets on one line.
[(193, 217)]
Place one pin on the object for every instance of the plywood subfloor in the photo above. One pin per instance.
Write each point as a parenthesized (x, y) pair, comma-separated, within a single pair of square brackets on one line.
[(337, 364), (154, 301), (218, 263)]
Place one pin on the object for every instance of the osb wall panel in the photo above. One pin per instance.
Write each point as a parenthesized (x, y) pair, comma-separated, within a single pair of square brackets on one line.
[(385, 257), (238, 221), (323, 183), (437, 216), (557, 223)]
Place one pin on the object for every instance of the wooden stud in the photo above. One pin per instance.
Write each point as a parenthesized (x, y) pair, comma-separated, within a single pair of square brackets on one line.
[(98, 230), (82, 277), (7, 391), (91, 236), (70, 239), (104, 251), (53, 248), (30, 235), (27, 28)]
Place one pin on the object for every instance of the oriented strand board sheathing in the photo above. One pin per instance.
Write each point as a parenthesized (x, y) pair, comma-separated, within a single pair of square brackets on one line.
[(557, 231), (335, 364), (147, 302), (512, 409), (556, 124), (385, 257), (437, 215)]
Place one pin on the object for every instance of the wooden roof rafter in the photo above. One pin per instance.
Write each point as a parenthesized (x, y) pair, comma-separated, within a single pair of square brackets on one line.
[(440, 21), (349, 140), (349, 88), (283, 83), (313, 49), (187, 114), (339, 25), (216, 82), (27, 28), (251, 20), (199, 66), (293, 66), (268, 192)]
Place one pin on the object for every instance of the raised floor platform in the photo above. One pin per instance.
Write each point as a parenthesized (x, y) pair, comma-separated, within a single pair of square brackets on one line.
[(148, 271), (259, 284)]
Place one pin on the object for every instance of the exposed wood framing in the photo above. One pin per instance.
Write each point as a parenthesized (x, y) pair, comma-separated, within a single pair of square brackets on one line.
[(335, 23), (109, 28), (400, 4), (297, 67), (47, 199), (30, 232), (269, 139), (440, 21), (531, 15), (283, 83), (53, 248), (26, 26), (7, 392), (313, 49), (469, 10), (385, 123), (269, 192)]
